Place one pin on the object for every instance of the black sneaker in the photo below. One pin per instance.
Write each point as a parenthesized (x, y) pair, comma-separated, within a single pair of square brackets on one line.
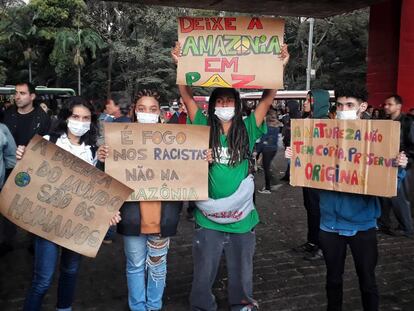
[(315, 255), (306, 247)]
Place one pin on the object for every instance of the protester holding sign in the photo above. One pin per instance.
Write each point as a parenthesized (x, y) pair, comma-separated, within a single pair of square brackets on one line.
[(350, 219), (227, 220), (76, 132), (146, 228)]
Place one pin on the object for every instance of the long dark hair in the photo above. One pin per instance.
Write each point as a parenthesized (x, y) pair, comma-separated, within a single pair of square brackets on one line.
[(237, 138), (61, 127)]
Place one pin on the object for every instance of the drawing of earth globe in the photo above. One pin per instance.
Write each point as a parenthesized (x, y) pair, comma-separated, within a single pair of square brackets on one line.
[(22, 179)]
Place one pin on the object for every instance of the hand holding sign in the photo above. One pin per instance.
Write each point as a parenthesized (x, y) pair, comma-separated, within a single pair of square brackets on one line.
[(402, 159), (20, 152), (284, 55), (176, 52), (103, 152)]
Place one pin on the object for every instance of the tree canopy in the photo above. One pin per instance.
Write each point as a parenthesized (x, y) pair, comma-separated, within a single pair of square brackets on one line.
[(102, 47)]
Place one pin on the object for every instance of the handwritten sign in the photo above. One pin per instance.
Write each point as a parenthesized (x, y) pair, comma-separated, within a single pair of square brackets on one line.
[(161, 162), (61, 198), (356, 156), (234, 52)]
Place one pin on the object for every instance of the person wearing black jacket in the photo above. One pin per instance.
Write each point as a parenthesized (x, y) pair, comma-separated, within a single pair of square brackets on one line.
[(400, 204), (146, 227), (24, 121), (315, 107)]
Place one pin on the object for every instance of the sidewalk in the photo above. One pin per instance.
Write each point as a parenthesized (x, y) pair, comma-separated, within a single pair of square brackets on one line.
[(282, 279)]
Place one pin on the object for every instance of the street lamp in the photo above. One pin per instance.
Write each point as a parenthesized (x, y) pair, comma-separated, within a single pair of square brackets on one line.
[(310, 45)]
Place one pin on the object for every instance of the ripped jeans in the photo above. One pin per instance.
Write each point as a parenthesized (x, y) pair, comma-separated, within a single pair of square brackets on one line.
[(146, 270)]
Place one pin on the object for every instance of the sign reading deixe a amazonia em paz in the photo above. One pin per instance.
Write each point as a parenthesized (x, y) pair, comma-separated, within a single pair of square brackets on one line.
[(61, 198), (161, 162), (357, 156), (234, 52)]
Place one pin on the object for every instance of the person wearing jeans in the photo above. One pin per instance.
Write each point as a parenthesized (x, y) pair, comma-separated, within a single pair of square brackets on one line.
[(350, 219), (269, 145), (146, 227), (76, 132), (45, 262), (146, 254), (208, 245)]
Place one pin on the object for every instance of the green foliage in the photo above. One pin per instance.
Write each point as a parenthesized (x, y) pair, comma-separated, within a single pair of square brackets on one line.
[(57, 13), (124, 46), (339, 53)]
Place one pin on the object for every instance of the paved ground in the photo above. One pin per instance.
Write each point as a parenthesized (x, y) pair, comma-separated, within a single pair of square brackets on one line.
[(282, 279)]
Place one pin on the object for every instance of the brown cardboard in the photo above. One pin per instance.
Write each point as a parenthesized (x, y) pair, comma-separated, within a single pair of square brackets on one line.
[(161, 162), (61, 198), (343, 142), (237, 52)]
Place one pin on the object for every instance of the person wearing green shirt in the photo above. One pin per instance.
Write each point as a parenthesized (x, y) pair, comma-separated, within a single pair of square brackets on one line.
[(231, 231)]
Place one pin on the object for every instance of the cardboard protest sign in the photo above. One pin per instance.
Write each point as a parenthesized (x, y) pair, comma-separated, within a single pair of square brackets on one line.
[(234, 52), (61, 198), (161, 162), (357, 156)]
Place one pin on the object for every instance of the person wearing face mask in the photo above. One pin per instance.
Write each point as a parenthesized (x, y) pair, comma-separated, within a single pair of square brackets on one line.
[(226, 221), (146, 228), (350, 219), (76, 132)]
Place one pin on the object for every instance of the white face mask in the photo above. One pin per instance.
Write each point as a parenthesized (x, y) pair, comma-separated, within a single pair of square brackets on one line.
[(224, 113), (143, 117), (78, 128), (347, 115)]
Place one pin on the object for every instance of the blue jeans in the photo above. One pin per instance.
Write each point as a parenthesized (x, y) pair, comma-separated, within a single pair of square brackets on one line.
[(45, 261), (146, 270)]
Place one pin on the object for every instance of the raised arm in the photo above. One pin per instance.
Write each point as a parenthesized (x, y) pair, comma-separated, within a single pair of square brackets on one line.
[(269, 95), (188, 99), (185, 91), (264, 106)]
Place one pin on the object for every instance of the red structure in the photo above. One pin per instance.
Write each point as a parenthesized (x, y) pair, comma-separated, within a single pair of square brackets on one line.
[(391, 52)]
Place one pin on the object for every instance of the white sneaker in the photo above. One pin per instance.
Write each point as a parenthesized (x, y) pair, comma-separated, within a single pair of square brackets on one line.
[(264, 191)]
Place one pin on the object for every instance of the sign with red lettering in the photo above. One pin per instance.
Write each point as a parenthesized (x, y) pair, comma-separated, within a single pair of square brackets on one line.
[(234, 52), (357, 156)]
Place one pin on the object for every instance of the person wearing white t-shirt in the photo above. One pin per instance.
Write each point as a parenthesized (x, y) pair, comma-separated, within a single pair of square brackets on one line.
[(75, 131)]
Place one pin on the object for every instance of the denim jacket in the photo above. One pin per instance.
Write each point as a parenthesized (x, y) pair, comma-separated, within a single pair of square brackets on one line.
[(7, 152)]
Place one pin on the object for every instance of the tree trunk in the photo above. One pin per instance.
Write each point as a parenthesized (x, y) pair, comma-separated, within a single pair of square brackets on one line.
[(79, 81), (109, 72), (30, 71)]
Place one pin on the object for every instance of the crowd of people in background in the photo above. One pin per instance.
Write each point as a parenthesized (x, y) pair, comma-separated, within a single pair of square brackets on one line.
[(78, 128)]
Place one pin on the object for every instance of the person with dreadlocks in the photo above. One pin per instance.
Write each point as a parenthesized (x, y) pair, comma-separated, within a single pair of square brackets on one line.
[(146, 228), (227, 220)]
